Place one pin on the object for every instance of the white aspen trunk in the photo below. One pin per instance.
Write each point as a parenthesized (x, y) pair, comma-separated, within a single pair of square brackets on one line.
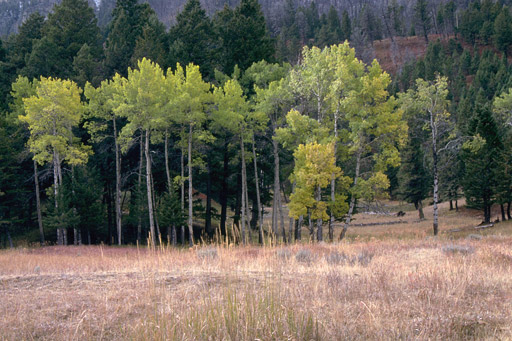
[(244, 212), (436, 176), (118, 187), (157, 226), (139, 193), (60, 236), (275, 208), (166, 154), (333, 179), (75, 230), (182, 188), (352, 199), (38, 204), (292, 221), (149, 190), (281, 215), (258, 199), (190, 207)]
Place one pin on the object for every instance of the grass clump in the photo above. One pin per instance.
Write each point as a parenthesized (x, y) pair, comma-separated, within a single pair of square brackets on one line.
[(283, 254), (458, 249), (363, 258), (207, 254), (336, 258), (305, 256), (474, 237)]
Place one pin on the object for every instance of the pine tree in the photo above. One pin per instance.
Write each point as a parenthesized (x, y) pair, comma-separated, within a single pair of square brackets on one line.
[(192, 39), (503, 30), (423, 16), (412, 175), (481, 161), (128, 20), (71, 25), (244, 36)]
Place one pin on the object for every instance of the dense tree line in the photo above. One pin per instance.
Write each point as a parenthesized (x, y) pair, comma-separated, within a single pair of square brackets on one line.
[(194, 132)]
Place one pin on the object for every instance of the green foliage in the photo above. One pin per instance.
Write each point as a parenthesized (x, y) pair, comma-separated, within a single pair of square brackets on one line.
[(503, 30), (243, 35), (51, 114), (62, 215), (141, 100), (192, 40), (71, 24), (481, 161), (413, 177), (314, 169), (169, 210)]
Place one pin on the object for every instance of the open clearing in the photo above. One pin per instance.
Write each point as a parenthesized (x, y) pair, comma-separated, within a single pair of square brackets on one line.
[(384, 282)]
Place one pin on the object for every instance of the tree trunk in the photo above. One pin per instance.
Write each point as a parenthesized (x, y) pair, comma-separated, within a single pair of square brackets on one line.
[(298, 228), (173, 235), (118, 187), (75, 230), (456, 206), (149, 190), (208, 218), (451, 205), (503, 217), (224, 192), (157, 226), (166, 156), (56, 194), (11, 245), (244, 184), (353, 198), (281, 216), (436, 184), (139, 192), (419, 207), (182, 193), (508, 211), (109, 213), (258, 198), (190, 207), (38, 205), (311, 229), (333, 178), (276, 200), (319, 222)]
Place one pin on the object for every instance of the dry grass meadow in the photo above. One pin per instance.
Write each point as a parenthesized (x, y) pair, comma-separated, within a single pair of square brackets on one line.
[(383, 282)]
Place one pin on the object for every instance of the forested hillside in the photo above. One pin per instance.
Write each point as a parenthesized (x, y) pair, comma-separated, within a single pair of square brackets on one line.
[(227, 116)]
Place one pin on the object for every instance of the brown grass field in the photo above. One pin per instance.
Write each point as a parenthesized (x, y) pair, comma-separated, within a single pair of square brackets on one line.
[(383, 282)]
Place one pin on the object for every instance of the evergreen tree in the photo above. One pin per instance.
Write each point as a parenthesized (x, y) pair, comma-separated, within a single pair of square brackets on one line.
[(192, 39), (151, 43), (481, 161), (243, 35), (128, 19), (422, 14), (346, 26), (503, 30), (28, 34), (413, 177), (71, 25)]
